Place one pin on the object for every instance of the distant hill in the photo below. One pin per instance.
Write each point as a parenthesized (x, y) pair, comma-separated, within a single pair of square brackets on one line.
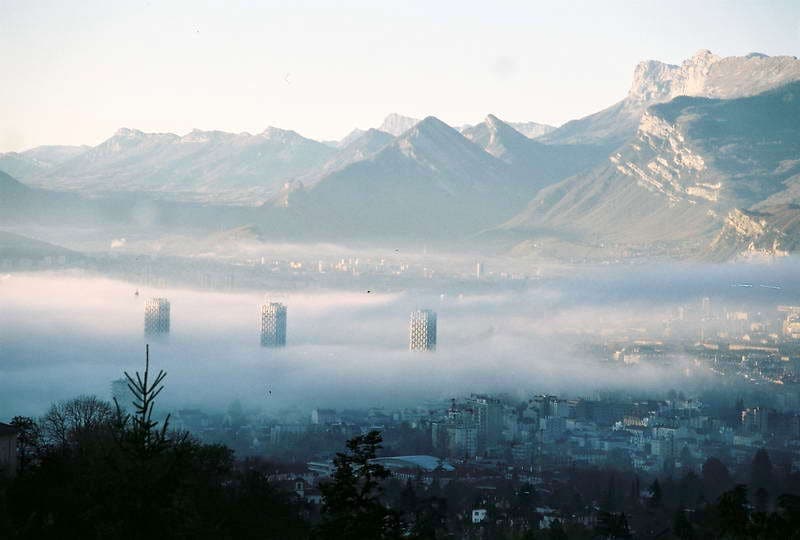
[(37, 160), (202, 165), (531, 130), (10, 188), (15, 246), (367, 144), (431, 181), (20, 204), (540, 164)]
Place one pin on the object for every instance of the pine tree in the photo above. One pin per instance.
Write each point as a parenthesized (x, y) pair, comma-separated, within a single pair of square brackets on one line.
[(352, 506), (150, 462), (142, 434), (761, 470), (733, 513)]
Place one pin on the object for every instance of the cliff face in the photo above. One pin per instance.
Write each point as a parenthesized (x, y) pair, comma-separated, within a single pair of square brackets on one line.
[(661, 160), (747, 235), (691, 161), (708, 75), (753, 235), (703, 75)]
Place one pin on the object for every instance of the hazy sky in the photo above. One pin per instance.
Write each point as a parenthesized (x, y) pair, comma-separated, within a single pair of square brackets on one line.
[(74, 72)]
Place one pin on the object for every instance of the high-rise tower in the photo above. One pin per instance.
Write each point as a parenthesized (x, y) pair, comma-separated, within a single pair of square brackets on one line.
[(422, 330), (156, 316), (273, 325)]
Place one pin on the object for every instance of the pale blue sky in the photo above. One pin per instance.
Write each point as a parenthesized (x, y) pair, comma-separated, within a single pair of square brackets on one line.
[(74, 72)]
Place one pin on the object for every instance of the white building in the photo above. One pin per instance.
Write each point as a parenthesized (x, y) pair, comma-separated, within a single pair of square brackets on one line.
[(479, 270), (422, 330), (323, 416), (156, 316), (791, 326), (273, 325), (478, 515)]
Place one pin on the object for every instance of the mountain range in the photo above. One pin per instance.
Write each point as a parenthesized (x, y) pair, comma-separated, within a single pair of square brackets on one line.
[(702, 157), (207, 166)]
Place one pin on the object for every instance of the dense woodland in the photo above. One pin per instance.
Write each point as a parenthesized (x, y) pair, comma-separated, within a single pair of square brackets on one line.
[(88, 469)]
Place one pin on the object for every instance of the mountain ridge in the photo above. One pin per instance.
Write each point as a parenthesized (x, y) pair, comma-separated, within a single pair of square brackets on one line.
[(702, 75), (692, 162)]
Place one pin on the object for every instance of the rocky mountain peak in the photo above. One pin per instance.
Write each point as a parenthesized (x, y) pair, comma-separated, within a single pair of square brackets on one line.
[(396, 124), (125, 139), (498, 137), (494, 123), (350, 137), (652, 81), (285, 136), (703, 56), (200, 136), (706, 74), (655, 81), (128, 133), (430, 133)]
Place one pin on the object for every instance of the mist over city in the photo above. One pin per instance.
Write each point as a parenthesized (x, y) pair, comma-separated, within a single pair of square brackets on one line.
[(353, 271), (337, 340)]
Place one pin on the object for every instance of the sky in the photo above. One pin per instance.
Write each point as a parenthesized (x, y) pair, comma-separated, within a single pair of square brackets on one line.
[(75, 72)]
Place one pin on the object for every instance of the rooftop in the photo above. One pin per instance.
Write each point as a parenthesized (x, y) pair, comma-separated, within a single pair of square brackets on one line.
[(427, 463)]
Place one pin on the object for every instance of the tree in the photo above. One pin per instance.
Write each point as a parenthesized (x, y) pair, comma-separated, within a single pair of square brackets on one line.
[(761, 470), (733, 514), (29, 441), (149, 461), (612, 525), (352, 506), (131, 478), (761, 500), (690, 490), (430, 519), (788, 507), (611, 493), (138, 432), (716, 479), (67, 421), (556, 531)]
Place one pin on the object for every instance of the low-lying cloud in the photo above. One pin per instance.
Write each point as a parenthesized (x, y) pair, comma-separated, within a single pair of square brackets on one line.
[(66, 334)]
